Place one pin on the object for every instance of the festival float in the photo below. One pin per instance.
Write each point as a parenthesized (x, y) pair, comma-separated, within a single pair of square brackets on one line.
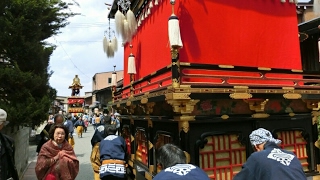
[(205, 74), (75, 101)]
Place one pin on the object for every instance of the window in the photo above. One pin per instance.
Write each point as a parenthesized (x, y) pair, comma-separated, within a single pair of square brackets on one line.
[(109, 80)]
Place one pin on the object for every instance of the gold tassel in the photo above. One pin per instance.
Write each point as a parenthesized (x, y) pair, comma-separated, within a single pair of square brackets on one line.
[(156, 2), (148, 11), (283, 1), (291, 1)]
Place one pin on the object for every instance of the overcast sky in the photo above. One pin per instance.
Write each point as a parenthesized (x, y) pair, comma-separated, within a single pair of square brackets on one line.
[(79, 48)]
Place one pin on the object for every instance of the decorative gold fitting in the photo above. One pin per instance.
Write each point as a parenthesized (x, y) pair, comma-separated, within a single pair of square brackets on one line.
[(260, 115), (257, 105), (224, 117), (185, 64), (184, 126), (296, 70), (292, 96), (264, 69), (313, 104), (315, 115), (128, 103), (226, 66), (240, 95), (184, 118), (241, 87), (118, 105), (292, 114), (174, 53), (288, 88), (144, 101), (177, 96)]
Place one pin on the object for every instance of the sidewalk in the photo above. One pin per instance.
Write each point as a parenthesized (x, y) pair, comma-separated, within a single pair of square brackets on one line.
[(30, 174)]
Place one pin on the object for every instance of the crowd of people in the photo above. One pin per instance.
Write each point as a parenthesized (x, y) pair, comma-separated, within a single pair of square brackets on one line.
[(57, 159)]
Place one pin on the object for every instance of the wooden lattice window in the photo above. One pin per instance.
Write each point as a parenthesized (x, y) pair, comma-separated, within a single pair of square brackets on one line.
[(221, 156), (141, 146), (295, 141)]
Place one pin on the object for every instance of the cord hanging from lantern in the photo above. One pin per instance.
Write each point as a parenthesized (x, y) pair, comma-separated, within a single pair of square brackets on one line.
[(174, 29)]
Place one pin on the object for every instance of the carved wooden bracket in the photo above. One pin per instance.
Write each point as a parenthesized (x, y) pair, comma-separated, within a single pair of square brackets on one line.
[(130, 107), (257, 105), (182, 104), (315, 115), (184, 126), (148, 107), (150, 123), (313, 104)]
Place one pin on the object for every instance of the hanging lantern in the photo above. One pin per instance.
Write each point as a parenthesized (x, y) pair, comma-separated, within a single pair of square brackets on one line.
[(131, 63), (174, 29), (114, 77)]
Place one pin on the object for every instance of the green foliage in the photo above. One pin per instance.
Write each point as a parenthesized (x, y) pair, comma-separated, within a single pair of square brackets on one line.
[(25, 92)]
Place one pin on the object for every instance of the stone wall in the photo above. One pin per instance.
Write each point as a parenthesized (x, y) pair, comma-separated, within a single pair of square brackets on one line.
[(21, 137)]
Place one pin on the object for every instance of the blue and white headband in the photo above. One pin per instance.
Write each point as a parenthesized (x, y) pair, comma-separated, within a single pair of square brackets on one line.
[(261, 135)]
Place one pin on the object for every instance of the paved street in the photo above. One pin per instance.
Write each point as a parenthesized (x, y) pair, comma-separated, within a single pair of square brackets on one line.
[(82, 150)]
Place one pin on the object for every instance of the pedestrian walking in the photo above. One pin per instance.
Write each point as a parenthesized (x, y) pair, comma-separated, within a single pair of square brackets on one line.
[(270, 162), (8, 169), (69, 124), (79, 126), (57, 159), (44, 135), (97, 137)]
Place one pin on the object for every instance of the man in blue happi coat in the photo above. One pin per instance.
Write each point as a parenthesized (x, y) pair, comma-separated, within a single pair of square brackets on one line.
[(270, 162), (113, 155)]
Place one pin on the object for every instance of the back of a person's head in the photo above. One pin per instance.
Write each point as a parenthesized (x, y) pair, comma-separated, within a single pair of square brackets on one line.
[(169, 155), (58, 119), (110, 129), (69, 116)]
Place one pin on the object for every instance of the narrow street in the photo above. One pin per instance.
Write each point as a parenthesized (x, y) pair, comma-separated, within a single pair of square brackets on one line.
[(82, 150)]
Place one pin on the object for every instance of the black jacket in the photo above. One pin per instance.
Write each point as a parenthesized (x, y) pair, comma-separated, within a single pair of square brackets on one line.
[(8, 168)]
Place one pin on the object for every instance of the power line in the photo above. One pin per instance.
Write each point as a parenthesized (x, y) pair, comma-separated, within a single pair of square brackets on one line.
[(70, 57)]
